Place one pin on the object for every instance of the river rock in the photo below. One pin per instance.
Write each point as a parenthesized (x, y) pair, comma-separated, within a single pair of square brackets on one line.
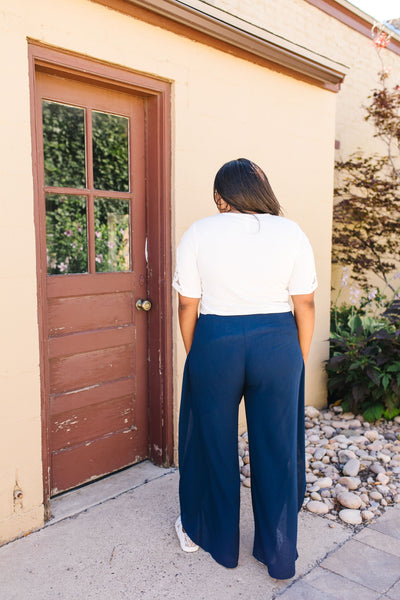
[(345, 455), (246, 470), (375, 446), (352, 517), (353, 424), (383, 478), (324, 482), (352, 467), (311, 412), (375, 495), (367, 515), (351, 483), (315, 496), (317, 507), (383, 457), (319, 453), (328, 431), (377, 468), (347, 416), (349, 500), (371, 435)]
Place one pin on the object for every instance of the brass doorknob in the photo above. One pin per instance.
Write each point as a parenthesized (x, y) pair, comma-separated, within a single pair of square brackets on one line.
[(143, 305)]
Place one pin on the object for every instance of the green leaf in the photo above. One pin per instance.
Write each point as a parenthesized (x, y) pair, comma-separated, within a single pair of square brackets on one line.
[(355, 323), (391, 413), (345, 405), (374, 375), (374, 412), (386, 381)]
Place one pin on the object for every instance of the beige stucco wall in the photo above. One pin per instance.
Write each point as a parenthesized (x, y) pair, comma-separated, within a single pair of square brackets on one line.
[(222, 107), (307, 25)]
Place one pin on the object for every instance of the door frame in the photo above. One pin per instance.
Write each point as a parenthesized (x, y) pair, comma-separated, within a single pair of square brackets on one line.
[(157, 95)]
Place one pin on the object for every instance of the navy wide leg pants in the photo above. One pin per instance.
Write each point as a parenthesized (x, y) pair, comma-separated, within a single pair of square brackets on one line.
[(258, 357)]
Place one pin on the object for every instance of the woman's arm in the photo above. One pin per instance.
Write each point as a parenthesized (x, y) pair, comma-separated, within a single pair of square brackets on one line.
[(188, 315), (304, 313)]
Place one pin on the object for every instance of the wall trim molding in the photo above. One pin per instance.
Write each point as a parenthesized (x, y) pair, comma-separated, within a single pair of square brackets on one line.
[(231, 34), (349, 15)]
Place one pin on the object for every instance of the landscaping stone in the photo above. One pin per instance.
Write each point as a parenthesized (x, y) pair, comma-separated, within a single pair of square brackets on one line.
[(349, 463), (352, 467), (352, 517), (317, 507), (349, 500)]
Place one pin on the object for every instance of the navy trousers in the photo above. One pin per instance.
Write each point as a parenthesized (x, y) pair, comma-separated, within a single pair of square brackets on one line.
[(257, 357)]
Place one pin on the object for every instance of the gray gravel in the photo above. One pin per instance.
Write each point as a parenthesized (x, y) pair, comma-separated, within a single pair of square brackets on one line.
[(352, 467)]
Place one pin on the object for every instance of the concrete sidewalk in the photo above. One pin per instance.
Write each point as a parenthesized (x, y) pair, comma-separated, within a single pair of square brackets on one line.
[(115, 540)]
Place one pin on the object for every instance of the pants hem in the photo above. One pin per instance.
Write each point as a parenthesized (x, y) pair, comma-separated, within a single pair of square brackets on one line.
[(270, 571)]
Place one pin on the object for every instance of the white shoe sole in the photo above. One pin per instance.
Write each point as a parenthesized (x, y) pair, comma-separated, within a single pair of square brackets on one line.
[(183, 537)]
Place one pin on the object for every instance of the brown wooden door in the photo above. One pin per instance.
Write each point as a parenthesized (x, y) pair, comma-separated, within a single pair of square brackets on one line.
[(93, 227)]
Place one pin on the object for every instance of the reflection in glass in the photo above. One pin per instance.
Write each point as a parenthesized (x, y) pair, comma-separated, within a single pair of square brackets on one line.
[(110, 152), (111, 219), (66, 234), (64, 145)]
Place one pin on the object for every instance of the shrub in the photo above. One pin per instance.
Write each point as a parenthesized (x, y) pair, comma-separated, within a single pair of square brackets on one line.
[(364, 364)]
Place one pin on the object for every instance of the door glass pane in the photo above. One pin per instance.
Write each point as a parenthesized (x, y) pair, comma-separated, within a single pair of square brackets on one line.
[(112, 243), (64, 145), (66, 234), (110, 152)]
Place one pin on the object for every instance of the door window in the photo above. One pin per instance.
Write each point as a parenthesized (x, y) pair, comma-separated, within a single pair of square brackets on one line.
[(87, 185)]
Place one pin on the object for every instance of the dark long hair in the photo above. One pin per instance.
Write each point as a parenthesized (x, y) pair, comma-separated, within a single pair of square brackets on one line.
[(245, 187)]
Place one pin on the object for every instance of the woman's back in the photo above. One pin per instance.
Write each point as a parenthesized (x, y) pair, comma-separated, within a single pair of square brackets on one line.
[(244, 263)]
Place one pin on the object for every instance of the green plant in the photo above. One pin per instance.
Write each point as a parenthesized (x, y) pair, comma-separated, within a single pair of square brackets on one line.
[(364, 364), (370, 306), (364, 370)]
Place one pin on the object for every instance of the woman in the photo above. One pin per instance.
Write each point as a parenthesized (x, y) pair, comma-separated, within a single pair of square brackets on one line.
[(242, 265)]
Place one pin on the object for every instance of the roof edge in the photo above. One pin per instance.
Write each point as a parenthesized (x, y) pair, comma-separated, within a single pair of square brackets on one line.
[(236, 33), (353, 17)]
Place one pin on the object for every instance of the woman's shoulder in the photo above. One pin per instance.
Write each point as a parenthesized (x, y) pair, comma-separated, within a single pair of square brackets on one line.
[(283, 222), (223, 221)]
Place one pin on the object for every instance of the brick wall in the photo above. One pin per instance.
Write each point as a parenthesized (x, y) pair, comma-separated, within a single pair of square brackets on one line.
[(303, 24)]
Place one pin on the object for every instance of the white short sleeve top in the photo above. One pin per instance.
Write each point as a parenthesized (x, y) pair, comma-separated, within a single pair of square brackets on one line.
[(242, 264)]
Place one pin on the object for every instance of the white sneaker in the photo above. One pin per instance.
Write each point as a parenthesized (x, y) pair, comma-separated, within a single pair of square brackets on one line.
[(186, 543)]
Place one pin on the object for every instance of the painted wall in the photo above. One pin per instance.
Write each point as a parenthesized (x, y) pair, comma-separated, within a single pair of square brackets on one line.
[(309, 26), (223, 107), (306, 25)]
